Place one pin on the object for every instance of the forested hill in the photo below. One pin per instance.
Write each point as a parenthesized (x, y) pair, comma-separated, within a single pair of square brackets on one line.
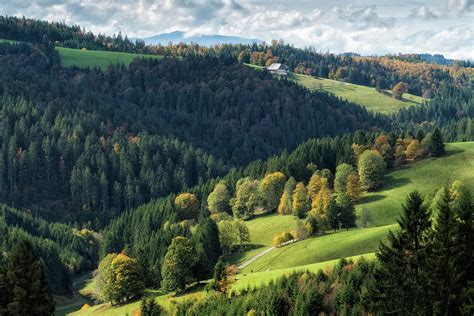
[(422, 79), (106, 141)]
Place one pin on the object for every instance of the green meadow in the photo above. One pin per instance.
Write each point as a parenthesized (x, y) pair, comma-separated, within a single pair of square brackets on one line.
[(426, 176), (370, 98), (322, 248), (100, 59), (373, 100)]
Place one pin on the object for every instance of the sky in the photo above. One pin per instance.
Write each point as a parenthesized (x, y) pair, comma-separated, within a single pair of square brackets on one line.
[(363, 26)]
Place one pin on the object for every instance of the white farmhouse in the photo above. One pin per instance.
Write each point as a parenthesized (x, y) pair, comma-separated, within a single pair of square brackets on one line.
[(278, 69)]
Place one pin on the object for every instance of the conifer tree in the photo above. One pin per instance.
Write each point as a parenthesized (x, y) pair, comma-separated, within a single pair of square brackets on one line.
[(401, 285), (149, 307), (445, 274), (348, 215), (436, 144), (208, 246), (4, 292), (464, 213), (30, 293)]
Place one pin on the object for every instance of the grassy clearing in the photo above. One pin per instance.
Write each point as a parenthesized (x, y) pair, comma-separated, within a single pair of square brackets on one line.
[(262, 230), (320, 249), (8, 41), (262, 278), (375, 101), (99, 59), (426, 176), (366, 96)]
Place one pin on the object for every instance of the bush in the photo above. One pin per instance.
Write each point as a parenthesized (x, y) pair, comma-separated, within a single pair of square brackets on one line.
[(280, 238)]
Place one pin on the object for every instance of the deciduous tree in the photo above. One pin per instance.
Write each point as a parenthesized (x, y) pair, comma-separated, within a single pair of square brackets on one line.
[(219, 199), (301, 201), (371, 169), (178, 264)]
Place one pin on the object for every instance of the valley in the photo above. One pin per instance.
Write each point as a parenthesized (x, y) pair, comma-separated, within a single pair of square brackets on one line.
[(230, 178)]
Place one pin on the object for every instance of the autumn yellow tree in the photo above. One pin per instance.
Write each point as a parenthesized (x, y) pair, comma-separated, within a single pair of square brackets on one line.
[(315, 184), (187, 205), (399, 89), (353, 187), (413, 149), (271, 189), (301, 202), (320, 204), (285, 207)]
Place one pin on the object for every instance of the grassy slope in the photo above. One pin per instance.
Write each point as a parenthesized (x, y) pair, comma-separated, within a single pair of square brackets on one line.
[(362, 95), (384, 207), (262, 230), (426, 176), (262, 278), (320, 249), (100, 59), (366, 96)]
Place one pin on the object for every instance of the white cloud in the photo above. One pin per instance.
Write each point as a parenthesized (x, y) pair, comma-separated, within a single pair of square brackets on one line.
[(460, 7), (424, 13), (365, 17)]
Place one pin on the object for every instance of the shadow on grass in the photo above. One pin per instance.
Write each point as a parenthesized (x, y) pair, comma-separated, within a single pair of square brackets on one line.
[(453, 152), (372, 198), (392, 183)]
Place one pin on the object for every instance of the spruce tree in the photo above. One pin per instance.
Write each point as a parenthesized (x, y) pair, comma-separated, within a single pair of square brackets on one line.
[(444, 272), (30, 293), (5, 292), (149, 307), (208, 246), (436, 144), (400, 280), (464, 212)]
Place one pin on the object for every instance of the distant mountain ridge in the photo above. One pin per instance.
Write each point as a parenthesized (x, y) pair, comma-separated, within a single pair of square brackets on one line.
[(200, 39)]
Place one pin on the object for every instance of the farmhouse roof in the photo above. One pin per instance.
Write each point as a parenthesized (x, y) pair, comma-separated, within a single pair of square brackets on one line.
[(276, 66)]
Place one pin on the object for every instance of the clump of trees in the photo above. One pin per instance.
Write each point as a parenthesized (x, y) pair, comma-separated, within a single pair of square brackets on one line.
[(120, 279), (232, 234), (426, 266), (178, 264)]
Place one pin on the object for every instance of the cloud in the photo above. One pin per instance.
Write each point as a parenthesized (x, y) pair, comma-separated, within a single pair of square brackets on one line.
[(460, 7), (455, 42), (365, 17), (423, 13)]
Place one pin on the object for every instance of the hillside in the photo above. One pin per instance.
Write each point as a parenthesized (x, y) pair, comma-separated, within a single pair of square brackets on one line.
[(376, 101), (319, 249), (383, 207), (370, 98), (426, 176), (84, 58)]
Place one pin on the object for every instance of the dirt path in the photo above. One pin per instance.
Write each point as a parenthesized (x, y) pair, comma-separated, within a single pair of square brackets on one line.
[(263, 253)]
